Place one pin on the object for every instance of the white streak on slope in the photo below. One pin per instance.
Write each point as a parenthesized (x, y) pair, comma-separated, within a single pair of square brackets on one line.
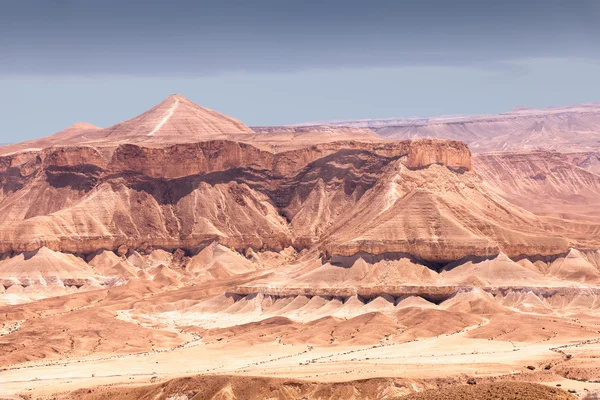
[(166, 118)]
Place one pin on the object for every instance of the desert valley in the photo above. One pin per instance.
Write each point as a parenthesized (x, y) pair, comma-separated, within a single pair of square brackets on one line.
[(184, 255)]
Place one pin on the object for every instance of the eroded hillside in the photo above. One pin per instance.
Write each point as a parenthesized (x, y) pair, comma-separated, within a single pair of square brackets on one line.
[(323, 254)]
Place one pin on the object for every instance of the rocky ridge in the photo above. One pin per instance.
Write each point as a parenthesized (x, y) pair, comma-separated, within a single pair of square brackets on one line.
[(182, 176), (566, 129), (162, 179)]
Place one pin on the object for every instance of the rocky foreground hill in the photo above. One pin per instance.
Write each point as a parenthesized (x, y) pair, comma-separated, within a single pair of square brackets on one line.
[(320, 253)]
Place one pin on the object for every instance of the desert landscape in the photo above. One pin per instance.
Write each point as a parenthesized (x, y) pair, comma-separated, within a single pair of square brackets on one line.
[(181, 254)]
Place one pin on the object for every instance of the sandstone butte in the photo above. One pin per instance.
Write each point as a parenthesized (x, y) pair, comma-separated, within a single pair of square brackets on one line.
[(306, 255)]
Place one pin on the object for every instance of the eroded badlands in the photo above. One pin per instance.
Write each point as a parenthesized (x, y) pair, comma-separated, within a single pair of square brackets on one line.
[(318, 262)]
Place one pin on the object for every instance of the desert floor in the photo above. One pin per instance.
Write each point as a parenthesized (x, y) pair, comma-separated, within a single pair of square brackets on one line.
[(451, 356)]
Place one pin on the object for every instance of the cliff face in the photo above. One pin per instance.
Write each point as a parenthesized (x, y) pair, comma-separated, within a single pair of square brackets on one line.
[(453, 154), (187, 159), (419, 153), (343, 197)]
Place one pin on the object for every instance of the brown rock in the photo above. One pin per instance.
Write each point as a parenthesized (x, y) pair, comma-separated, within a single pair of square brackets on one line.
[(122, 250)]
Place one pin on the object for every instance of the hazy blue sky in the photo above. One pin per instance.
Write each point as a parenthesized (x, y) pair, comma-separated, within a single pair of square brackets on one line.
[(271, 62)]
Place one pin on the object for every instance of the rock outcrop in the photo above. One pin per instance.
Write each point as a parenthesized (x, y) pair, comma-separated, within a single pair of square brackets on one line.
[(450, 153), (176, 196)]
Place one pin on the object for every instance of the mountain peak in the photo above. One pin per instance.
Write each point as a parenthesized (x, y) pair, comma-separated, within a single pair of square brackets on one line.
[(177, 119), (83, 125), (177, 97), (77, 130)]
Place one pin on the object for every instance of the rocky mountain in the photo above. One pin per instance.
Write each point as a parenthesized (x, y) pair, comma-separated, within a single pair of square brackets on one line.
[(310, 252), (416, 196), (178, 120)]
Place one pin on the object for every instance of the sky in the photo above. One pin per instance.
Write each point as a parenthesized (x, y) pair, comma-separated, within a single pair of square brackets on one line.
[(273, 62)]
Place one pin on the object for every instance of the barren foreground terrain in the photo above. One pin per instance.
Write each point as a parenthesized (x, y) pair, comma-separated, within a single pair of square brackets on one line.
[(262, 388), (182, 255)]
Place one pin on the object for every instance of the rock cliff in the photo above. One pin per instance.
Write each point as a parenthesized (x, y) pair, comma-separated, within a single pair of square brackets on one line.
[(416, 196)]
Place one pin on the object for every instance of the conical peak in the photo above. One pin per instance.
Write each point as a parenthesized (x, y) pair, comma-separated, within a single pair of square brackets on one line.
[(176, 97), (175, 100), (83, 125), (76, 130), (574, 253), (177, 119)]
